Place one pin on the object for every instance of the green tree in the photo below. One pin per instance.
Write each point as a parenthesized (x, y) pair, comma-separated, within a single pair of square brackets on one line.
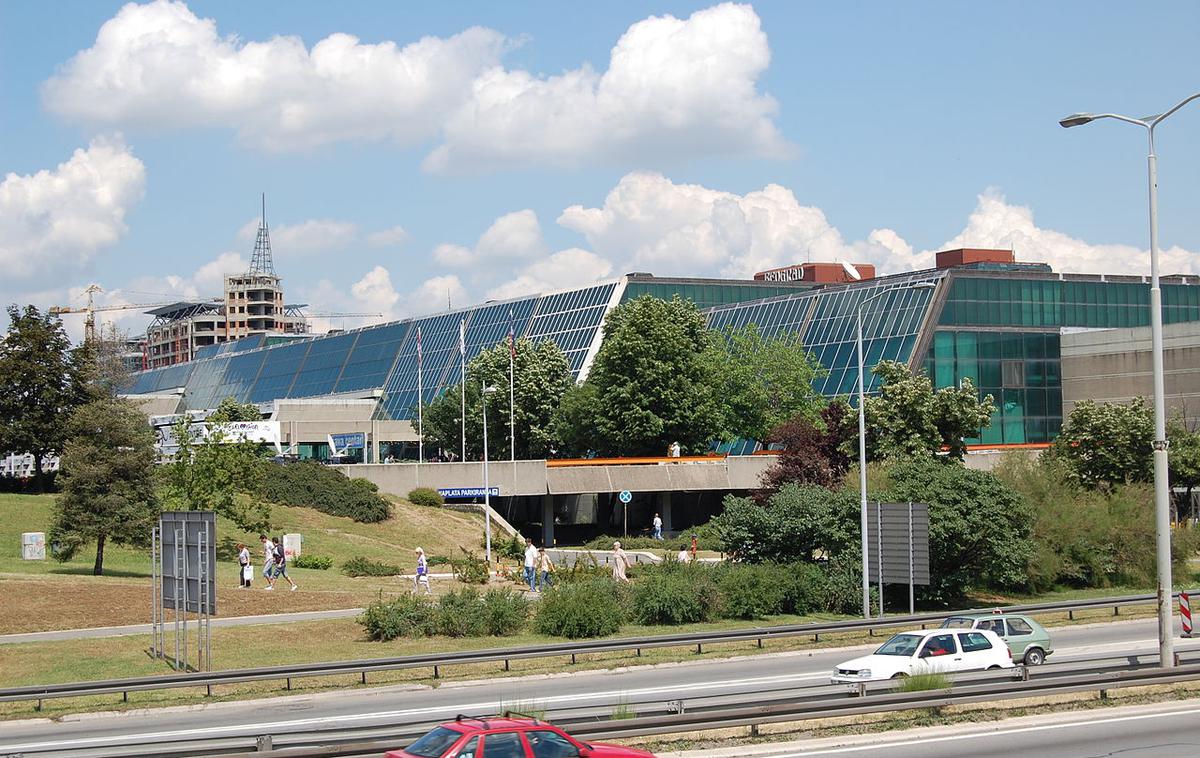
[(908, 418), (1107, 443), (541, 376), (215, 469), (653, 382), (229, 410), (107, 480), (38, 386), (1185, 464), (799, 523), (762, 381), (978, 526)]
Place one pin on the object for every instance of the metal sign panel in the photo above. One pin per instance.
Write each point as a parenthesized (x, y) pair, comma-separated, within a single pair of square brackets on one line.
[(350, 441), (189, 561), (463, 493), (901, 539)]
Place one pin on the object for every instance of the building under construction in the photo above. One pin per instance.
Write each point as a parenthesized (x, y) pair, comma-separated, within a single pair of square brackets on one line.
[(252, 306)]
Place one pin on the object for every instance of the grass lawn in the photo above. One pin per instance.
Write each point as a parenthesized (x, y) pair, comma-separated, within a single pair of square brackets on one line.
[(48, 595)]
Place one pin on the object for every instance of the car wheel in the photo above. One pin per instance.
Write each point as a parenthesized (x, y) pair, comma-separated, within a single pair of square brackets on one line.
[(992, 668), (900, 675), (1034, 657)]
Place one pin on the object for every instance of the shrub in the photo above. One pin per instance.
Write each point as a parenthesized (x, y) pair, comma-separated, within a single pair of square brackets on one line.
[(707, 538), (581, 609), (674, 597), (585, 568), (312, 562), (402, 616), (470, 568), (924, 682), (360, 566), (437, 560), (425, 496), (805, 588), (505, 611), (311, 485), (460, 613), (751, 592), (843, 587), (512, 547)]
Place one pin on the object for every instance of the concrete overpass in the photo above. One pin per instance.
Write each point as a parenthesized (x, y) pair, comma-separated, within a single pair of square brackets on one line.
[(653, 481)]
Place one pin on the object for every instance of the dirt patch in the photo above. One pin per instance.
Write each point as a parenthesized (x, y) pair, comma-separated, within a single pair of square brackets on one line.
[(38, 606)]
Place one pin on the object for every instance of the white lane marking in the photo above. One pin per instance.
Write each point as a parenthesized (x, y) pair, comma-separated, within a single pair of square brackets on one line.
[(977, 735), (334, 720)]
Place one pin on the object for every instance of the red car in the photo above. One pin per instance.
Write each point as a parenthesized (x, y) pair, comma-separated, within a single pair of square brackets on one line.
[(507, 737)]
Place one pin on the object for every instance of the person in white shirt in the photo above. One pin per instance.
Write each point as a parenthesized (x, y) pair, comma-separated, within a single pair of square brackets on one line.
[(657, 524), (684, 556), (245, 570), (421, 578), (268, 561), (531, 555)]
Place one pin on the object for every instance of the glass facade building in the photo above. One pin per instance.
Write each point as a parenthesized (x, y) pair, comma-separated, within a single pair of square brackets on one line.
[(997, 324)]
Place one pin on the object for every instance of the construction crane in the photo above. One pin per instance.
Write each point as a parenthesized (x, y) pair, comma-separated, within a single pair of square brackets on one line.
[(89, 323)]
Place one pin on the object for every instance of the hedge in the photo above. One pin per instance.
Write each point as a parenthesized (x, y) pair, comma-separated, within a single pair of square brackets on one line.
[(312, 485)]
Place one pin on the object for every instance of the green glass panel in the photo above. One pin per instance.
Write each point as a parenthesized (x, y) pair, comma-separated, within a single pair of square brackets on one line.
[(990, 346), (989, 374), (1035, 346), (943, 345)]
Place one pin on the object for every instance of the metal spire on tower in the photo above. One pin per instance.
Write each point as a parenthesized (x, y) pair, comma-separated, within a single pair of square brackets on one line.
[(261, 263)]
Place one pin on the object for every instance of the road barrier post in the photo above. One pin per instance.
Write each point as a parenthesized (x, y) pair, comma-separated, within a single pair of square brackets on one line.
[(1185, 612)]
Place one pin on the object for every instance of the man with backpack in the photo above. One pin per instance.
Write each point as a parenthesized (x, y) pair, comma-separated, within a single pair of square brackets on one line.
[(281, 564)]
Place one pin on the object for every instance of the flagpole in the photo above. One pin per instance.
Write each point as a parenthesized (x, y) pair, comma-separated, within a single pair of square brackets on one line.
[(420, 402), (462, 351), (512, 403)]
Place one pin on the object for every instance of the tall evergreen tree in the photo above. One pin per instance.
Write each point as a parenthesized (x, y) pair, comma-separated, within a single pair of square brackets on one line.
[(107, 480), (38, 386)]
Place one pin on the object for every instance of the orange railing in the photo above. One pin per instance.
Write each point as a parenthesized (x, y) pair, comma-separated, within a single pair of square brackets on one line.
[(643, 461)]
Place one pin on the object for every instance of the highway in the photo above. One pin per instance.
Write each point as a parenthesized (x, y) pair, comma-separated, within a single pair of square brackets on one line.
[(593, 692), (1158, 731)]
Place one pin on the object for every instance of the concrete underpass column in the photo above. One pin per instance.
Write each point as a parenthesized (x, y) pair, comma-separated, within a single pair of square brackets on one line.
[(548, 520), (665, 504)]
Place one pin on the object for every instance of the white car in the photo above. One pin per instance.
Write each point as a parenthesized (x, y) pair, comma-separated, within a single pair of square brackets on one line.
[(927, 651)]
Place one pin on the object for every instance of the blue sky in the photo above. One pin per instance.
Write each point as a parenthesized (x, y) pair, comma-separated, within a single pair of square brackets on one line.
[(500, 148)]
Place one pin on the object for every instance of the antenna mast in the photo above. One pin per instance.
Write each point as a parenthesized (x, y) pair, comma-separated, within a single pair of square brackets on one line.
[(262, 263)]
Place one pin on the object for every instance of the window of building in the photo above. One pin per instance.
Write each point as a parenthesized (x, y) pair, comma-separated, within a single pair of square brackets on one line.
[(1013, 373)]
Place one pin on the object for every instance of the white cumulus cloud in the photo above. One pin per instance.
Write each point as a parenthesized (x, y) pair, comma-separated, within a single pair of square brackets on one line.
[(649, 223), (568, 268), (62, 217), (673, 87), (393, 237), (512, 236), (998, 224), (159, 65)]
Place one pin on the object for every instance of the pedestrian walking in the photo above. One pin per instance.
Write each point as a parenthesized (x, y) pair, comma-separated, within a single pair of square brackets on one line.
[(245, 570), (657, 524), (421, 578), (281, 564), (620, 563), (531, 555), (695, 546), (684, 556), (268, 571), (674, 449), (544, 568)]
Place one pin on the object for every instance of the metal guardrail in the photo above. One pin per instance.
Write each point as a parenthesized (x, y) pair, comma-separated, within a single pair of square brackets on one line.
[(436, 662), (760, 714), (581, 717)]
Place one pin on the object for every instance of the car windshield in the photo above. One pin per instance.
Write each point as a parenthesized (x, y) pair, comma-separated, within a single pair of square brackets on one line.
[(958, 622), (434, 743), (901, 644)]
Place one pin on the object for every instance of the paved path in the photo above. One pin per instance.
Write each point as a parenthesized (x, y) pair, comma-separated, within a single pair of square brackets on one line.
[(118, 631)]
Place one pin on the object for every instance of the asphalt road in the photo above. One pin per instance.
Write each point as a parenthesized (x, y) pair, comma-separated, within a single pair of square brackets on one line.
[(1148, 732), (732, 680)]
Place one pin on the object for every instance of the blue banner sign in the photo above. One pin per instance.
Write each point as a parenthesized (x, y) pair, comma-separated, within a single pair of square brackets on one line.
[(354, 440), (459, 493)]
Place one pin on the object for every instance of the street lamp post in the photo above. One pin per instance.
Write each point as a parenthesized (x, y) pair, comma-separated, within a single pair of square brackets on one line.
[(862, 445), (1162, 491), (487, 490)]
